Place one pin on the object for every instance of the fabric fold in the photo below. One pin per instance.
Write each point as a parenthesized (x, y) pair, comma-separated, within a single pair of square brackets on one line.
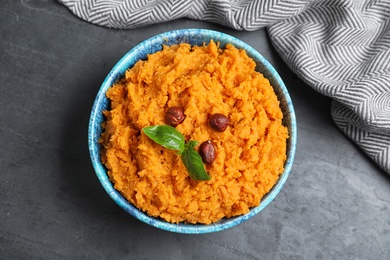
[(342, 50)]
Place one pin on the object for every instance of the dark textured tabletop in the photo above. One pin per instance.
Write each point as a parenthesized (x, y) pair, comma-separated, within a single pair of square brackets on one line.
[(335, 204)]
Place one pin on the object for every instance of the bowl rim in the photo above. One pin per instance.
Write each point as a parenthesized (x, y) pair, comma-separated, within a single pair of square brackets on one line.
[(96, 118)]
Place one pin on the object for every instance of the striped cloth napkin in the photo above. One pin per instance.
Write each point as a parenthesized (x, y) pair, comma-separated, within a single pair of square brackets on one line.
[(341, 48)]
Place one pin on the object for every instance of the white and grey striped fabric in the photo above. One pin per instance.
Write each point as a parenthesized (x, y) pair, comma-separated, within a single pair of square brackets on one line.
[(341, 48)]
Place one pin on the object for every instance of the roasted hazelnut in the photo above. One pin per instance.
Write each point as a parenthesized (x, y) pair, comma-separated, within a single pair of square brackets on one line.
[(207, 152), (174, 116), (219, 122)]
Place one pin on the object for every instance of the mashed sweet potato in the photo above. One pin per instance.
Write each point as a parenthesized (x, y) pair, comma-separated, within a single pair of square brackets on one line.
[(203, 80)]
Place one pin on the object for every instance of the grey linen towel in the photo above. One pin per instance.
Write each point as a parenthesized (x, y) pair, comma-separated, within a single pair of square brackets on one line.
[(341, 48)]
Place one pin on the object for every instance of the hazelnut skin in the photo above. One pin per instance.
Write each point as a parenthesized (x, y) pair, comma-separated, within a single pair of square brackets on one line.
[(207, 152), (174, 116), (219, 122)]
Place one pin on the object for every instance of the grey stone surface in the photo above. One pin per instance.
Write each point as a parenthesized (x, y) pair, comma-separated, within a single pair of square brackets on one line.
[(335, 204)]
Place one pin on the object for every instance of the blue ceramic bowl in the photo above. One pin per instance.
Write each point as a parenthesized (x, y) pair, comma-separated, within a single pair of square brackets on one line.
[(154, 44)]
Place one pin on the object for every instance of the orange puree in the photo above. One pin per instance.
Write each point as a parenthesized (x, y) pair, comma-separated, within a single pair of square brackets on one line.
[(203, 80)]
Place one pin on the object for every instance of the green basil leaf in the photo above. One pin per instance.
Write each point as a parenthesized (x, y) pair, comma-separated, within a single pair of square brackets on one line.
[(193, 163), (166, 136), (191, 144)]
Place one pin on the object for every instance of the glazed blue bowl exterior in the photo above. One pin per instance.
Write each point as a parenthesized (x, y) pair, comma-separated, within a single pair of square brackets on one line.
[(140, 52)]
